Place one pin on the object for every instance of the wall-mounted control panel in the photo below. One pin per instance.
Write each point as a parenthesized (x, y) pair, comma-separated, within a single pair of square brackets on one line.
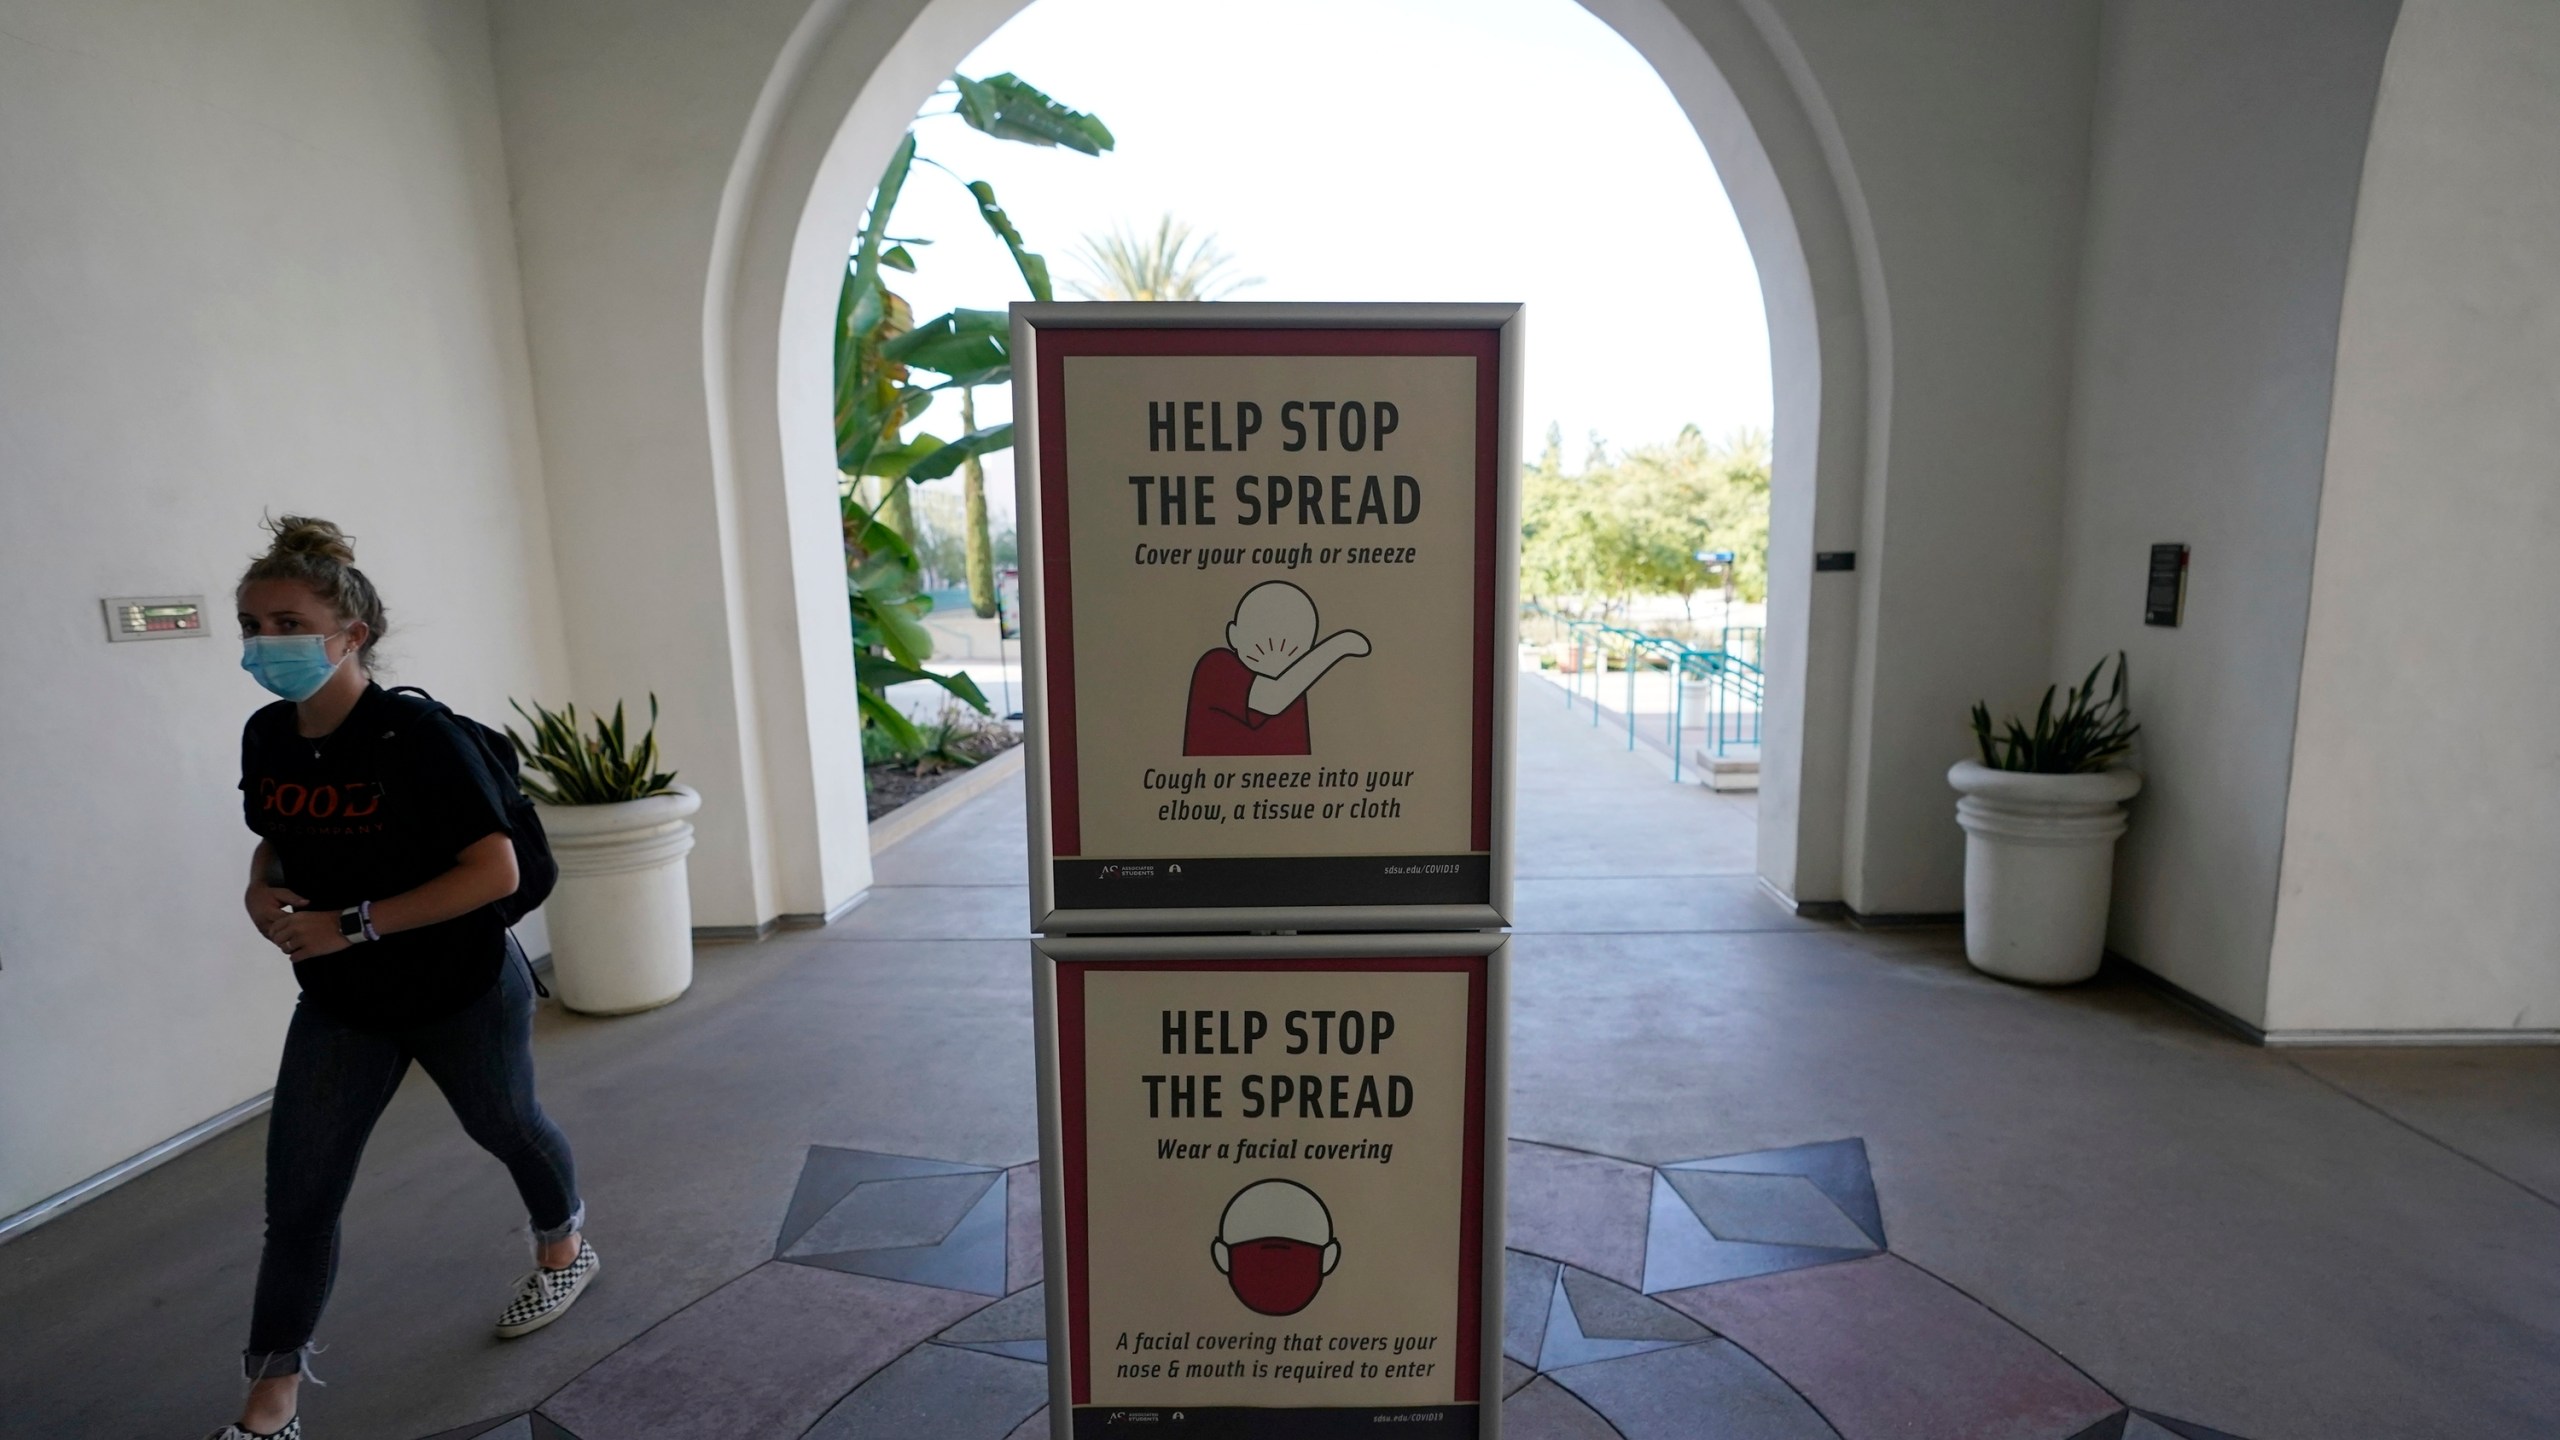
[(2164, 599), (154, 617)]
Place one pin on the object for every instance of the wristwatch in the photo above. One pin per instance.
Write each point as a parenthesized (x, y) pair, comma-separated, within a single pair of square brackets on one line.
[(355, 923)]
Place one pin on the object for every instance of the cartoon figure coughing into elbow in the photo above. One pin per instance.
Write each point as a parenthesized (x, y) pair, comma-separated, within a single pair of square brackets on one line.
[(1249, 696)]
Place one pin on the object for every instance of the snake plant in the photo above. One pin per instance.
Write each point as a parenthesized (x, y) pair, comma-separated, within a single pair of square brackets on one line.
[(582, 770), (2089, 733)]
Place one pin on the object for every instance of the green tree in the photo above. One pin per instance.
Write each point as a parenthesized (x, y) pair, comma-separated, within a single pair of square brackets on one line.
[(1637, 524), (1171, 264), (880, 350)]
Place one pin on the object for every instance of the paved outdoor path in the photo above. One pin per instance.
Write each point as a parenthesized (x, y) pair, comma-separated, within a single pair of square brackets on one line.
[(1770, 1178)]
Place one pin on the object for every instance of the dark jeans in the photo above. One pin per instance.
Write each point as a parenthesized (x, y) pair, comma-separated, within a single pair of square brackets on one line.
[(332, 1087)]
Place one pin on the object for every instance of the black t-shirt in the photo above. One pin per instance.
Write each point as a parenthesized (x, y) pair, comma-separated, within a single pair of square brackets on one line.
[(381, 805)]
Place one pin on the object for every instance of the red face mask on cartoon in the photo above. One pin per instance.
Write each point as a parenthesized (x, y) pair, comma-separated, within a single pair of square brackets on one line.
[(1275, 1277), (1275, 1246)]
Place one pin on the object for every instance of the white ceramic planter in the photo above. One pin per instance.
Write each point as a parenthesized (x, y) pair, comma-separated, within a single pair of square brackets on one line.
[(2039, 861), (621, 921)]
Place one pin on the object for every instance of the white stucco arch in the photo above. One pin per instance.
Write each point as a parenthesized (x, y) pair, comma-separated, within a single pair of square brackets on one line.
[(845, 87)]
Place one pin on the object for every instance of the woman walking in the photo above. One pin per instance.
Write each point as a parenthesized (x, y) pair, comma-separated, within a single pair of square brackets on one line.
[(383, 850)]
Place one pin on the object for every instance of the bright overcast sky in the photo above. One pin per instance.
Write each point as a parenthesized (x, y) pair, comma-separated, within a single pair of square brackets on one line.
[(1381, 150)]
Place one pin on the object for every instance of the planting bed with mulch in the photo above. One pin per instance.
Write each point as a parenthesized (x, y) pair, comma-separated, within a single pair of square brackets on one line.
[(891, 786)]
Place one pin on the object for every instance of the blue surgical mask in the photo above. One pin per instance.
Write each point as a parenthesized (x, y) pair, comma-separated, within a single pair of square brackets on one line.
[(293, 666)]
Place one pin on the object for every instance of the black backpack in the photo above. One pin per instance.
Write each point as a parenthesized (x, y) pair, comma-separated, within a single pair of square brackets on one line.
[(536, 871)]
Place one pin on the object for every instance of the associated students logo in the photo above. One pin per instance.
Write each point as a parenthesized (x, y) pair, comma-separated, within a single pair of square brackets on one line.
[(1275, 1245)]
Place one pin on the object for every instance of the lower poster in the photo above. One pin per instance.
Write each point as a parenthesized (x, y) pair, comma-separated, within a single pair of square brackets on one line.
[(1271, 1170)]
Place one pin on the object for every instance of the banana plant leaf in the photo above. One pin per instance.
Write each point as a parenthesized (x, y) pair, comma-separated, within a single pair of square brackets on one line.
[(947, 459), (891, 627), (879, 673), (878, 393), (960, 341), (1009, 109), (898, 462), (884, 201), (1035, 270), (876, 710)]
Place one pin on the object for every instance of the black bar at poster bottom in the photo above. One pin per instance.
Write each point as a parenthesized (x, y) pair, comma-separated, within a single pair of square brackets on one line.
[(1276, 880), (1241, 1422)]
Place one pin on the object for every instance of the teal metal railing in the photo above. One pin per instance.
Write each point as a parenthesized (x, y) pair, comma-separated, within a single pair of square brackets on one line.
[(1727, 675)]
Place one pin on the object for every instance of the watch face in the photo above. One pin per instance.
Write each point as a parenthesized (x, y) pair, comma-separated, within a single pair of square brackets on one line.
[(350, 923)]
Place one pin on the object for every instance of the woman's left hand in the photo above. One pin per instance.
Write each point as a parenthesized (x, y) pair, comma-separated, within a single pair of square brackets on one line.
[(306, 934)]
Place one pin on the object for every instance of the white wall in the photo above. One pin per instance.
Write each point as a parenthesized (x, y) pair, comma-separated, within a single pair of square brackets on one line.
[(2229, 143), (1768, 127), (2423, 840), (250, 258), (1954, 137), (632, 131), (1965, 124)]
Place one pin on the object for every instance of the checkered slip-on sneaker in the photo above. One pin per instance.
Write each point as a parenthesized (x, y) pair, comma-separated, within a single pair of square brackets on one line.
[(544, 1294), (292, 1431)]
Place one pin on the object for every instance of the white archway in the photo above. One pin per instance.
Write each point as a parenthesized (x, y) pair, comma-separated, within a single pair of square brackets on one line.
[(843, 91)]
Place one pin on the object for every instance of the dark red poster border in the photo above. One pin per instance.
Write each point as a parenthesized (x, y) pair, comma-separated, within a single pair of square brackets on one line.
[(1066, 836), (1071, 1134)]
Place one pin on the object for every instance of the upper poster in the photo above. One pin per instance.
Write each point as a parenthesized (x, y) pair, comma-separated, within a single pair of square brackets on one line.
[(1272, 585)]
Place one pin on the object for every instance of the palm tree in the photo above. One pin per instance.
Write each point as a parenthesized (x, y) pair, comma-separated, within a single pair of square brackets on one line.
[(1173, 264)]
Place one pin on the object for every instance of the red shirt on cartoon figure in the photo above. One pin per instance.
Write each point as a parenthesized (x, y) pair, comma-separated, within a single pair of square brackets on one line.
[(1249, 696)]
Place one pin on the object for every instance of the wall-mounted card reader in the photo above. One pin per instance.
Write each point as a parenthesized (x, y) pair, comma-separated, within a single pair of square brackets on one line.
[(154, 617)]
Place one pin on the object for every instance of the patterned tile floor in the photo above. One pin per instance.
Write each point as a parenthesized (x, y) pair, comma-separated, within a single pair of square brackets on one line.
[(1751, 1296), (1772, 1178)]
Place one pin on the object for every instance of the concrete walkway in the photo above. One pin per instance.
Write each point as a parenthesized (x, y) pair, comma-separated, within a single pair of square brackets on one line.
[(1770, 1178)]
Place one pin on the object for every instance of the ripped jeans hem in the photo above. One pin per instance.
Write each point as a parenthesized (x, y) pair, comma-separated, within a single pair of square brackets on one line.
[(256, 1365), (576, 1222)]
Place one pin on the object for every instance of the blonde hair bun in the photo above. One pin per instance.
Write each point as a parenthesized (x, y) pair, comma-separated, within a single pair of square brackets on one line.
[(313, 552), (316, 538)]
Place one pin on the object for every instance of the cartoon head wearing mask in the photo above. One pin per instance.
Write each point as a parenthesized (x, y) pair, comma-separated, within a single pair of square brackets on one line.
[(1275, 1245)]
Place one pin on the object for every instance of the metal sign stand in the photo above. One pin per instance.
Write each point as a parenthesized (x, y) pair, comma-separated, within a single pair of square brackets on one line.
[(1271, 1080)]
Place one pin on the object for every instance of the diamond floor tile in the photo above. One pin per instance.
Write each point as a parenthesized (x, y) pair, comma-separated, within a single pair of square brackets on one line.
[(472, 1431), (1528, 1284), (893, 1214), (1016, 1327), (1680, 1252), (1588, 1210), (1838, 1168), (829, 1174), (1544, 1410), (1769, 1209), (765, 1354), (2139, 1425), (1687, 1391), (940, 1391), (1886, 1349), (1022, 1244), (1606, 1310), (971, 1257), (1568, 1343), (527, 1426), (2161, 1427)]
